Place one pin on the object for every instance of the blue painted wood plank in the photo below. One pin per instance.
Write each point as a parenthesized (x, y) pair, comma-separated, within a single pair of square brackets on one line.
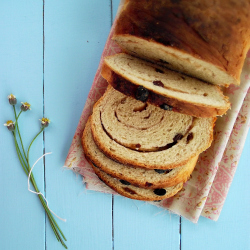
[(75, 35), (21, 45), (231, 231), (138, 225)]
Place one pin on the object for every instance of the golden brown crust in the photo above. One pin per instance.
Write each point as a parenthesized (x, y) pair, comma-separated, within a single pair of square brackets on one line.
[(131, 162), (214, 31), (129, 191), (182, 176), (91, 155), (128, 88)]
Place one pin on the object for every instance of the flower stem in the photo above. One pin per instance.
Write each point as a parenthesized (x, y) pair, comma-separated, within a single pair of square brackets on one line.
[(20, 157), (16, 117), (24, 161), (32, 143), (26, 168)]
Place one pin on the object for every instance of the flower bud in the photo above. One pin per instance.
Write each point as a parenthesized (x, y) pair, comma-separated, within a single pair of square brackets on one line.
[(10, 125), (12, 99), (25, 106), (44, 122)]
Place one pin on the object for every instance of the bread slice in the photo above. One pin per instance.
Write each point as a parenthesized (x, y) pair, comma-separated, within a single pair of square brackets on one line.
[(202, 38), (145, 178), (142, 135), (137, 193), (162, 87)]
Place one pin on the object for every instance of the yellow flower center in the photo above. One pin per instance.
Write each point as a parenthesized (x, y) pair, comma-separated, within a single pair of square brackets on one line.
[(9, 122), (11, 96), (44, 120), (26, 104)]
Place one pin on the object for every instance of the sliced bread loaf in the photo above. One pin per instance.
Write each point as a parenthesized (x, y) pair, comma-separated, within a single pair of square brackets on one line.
[(142, 135), (145, 178), (162, 87), (202, 38), (137, 193)]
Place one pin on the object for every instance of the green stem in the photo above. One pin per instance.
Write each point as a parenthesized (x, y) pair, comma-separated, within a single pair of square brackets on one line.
[(50, 216), (16, 117), (24, 165), (28, 152), (20, 157), (52, 221), (24, 161), (44, 203), (37, 190)]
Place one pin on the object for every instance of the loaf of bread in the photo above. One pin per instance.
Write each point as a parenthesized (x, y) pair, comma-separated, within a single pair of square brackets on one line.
[(201, 38), (142, 135), (157, 115), (163, 87), (140, 177), (137, 193)]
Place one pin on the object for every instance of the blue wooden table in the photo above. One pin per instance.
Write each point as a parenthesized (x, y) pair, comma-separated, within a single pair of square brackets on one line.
[(49, 53)]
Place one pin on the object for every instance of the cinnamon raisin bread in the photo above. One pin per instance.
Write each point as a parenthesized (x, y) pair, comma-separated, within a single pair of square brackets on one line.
[(145, 178), (137, 193), (163, 87), (202, 38), (142, 135)]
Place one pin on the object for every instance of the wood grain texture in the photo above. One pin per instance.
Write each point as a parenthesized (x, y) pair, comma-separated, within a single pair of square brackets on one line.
[(231, 231), (21, 48), (54, 73), (75, 35)]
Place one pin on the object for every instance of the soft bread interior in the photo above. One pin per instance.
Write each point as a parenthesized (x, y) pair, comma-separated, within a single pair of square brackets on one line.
[(175, 59), (198, 137), (167, 82), (142, 177)]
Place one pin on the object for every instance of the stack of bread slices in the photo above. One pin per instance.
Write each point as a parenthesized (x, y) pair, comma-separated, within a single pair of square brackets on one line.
[(157, 115)]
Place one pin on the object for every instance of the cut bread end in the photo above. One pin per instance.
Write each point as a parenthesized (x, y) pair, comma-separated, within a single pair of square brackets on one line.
[(176, 59), (196, 138), (165, 87)]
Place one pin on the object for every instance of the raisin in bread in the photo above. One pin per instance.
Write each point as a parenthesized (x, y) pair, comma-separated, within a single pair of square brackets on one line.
[(126, 189), (142, 135), (162, 87), (202, 38), (145, 178)]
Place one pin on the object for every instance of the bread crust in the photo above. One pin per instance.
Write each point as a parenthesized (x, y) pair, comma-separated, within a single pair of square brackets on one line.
[(92, 152), (135, 163), (216, 32), (132, 192), (128, 88)]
